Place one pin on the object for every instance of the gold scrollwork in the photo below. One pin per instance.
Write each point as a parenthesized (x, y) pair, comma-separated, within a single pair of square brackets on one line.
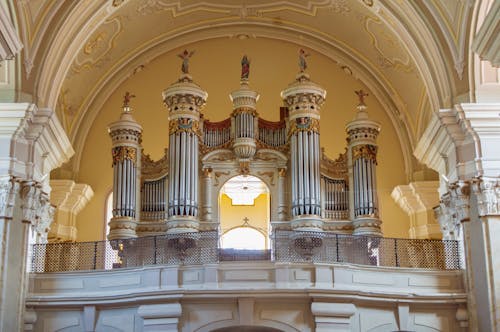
[(365, 151), (185, 125), (121, 153), (304, 124), (245, 110)]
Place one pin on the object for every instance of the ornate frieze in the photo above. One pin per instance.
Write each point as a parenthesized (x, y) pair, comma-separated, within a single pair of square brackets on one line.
[(126, 134), (362, 133), (365, 151), (245, 110), (301, 124), (184, 125), (121, 153)]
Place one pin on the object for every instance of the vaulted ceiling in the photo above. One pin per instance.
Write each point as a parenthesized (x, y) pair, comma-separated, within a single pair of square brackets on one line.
[(411, 54)]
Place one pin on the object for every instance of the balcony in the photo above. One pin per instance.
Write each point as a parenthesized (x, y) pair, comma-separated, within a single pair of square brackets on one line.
[(306, 279)]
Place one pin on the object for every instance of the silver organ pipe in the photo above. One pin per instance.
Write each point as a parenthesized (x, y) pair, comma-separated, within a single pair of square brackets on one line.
[(336, 198), (365, 197), (154, 199), (216, 133), (272, 134), (183, 195), (124, 181)]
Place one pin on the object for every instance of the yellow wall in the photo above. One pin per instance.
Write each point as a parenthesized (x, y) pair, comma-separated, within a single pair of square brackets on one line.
[(216, 67), (232, 215)]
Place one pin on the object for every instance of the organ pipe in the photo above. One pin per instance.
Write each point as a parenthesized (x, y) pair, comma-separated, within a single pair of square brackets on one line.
[(362, 133), (303, 98)]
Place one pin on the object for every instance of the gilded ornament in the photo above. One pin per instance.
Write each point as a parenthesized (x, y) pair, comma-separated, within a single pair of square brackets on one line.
[(185, 125), (244, 168), (244, 110), (304, 124), (365, 151), (121, 153)]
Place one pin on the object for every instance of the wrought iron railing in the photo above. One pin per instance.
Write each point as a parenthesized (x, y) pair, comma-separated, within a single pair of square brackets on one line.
[(287, 246)]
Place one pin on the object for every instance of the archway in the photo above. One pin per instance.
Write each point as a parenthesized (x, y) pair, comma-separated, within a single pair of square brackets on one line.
[(244, 213), (247, 329)]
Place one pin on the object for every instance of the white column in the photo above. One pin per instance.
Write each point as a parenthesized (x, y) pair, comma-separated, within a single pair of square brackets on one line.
[(282, 215), (207, 195)]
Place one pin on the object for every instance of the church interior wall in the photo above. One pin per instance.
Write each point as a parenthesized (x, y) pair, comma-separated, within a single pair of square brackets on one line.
[(216, 68)]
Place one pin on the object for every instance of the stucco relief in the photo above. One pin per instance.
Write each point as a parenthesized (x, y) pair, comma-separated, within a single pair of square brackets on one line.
[(177, 9), (95, 51), (390, 53)]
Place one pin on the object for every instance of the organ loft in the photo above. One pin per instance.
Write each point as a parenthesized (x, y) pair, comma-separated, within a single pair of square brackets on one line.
[(309, 192)]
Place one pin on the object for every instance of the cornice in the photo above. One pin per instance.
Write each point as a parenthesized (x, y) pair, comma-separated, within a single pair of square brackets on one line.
[(38, 141)]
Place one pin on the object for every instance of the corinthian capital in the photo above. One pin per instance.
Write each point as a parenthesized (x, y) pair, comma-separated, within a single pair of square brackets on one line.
[(460, 192), (9, 188), (487, 191)]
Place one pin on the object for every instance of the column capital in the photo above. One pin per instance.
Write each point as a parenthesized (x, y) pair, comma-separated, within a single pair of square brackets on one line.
[(487, 191)]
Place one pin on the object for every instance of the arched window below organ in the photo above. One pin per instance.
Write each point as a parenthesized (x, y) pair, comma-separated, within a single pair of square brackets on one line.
[(243, 238)]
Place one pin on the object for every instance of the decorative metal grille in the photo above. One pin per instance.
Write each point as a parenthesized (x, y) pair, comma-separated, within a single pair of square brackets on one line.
[(323, 247), (287, 246)]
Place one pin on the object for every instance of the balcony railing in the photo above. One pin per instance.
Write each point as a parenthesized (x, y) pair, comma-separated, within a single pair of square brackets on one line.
[(287, 246)]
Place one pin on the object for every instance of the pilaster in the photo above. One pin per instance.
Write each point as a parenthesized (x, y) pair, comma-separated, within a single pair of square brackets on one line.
[(32, 143), (462, 145)]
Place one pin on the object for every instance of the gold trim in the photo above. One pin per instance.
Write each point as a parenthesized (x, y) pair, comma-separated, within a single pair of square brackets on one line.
[(121, 153), (303, 124), (365, 151)]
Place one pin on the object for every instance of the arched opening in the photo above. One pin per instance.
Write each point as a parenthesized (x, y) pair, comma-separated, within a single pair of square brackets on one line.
[(244, 210), (247, 329)]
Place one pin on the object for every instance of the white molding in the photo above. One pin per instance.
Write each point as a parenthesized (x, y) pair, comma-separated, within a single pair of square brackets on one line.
[(10, 43), (69, 198), (486, 43), (286, 296), (417, 198), (33, 142)]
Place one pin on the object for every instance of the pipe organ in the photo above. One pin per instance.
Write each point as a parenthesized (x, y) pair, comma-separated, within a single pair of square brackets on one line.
[(126, 135), (362, 150), (179, 193)]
